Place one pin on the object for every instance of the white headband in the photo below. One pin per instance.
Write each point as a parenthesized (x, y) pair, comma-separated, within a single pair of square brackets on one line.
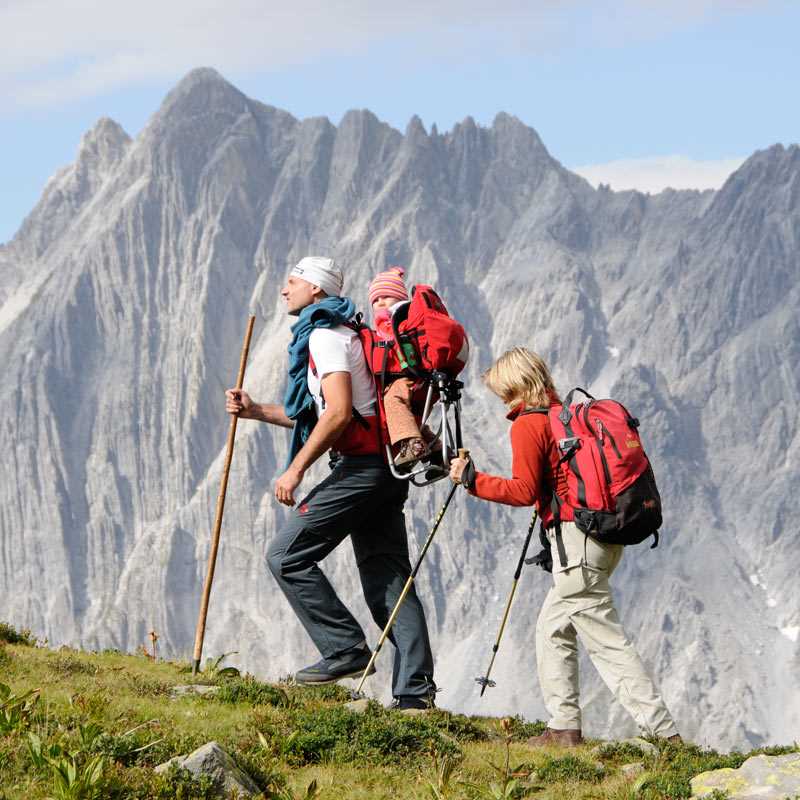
[(322, 272)]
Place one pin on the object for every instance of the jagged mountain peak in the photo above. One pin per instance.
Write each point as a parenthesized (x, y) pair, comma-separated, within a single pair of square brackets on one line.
[(103, 144), (508, 136), (768, 179), (198, 92), (766, 166), (415, 129), (362, 120), (101, 149), (105, 130)]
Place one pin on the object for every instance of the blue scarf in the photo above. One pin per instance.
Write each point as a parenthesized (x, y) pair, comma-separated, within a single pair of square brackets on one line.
[(298, 403)]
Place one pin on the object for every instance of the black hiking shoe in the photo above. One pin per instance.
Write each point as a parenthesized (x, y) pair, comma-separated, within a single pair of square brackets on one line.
[(349, 664), (414, 704)]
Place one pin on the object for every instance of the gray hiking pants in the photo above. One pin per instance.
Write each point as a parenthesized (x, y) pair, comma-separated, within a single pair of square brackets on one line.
[(580, 606), (362, 500)]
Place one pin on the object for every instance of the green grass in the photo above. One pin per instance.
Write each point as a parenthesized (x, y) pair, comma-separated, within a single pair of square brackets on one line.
[(93, 725)]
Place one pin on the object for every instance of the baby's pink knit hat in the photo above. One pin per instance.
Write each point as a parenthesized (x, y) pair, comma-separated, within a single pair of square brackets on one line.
[(388, 284)]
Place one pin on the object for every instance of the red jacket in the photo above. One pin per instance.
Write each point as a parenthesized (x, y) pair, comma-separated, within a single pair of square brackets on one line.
[(534, 462)]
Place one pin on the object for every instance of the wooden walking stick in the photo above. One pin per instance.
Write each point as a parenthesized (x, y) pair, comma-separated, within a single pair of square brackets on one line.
[(212, 557)]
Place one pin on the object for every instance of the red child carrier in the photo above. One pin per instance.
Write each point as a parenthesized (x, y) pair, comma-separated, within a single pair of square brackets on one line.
[(611, 485), (431, 348), (428, 338)]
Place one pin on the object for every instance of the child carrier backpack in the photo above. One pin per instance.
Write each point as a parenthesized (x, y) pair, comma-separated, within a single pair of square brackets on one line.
[(431, 348), (611, 485), (428, 339)]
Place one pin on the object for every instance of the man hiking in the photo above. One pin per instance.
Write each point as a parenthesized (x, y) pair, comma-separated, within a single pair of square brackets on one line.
[(330, 403)]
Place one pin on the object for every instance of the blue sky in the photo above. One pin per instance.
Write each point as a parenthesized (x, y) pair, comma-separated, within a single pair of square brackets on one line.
[(634, 92)]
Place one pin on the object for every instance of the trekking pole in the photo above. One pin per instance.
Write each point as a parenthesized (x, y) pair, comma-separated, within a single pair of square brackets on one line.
[(462, 453), (212, 557), (485, 681)]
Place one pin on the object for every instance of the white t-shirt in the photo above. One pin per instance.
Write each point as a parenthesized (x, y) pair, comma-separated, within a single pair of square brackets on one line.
[(339, 350)]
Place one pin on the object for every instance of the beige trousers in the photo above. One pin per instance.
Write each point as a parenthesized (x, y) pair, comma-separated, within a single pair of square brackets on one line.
[(580, 606)]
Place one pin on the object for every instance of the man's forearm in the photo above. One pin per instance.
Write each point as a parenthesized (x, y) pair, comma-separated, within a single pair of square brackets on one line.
[(268, 412), (328, 429)]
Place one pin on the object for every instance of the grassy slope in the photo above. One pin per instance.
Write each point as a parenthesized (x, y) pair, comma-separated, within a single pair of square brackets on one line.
[(118, 706)]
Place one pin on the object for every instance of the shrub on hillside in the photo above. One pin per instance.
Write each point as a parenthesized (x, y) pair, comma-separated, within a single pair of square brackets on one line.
[(143, 686), (65, 664), (338, 735), (10, 635), (251, 691), (520, 730), (567, 768)]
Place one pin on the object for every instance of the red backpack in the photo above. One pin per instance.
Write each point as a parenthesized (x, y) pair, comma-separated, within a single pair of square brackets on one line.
[(610, 482), (428, 338)]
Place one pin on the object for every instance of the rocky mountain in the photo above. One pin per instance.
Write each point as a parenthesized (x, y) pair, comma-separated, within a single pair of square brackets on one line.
[(123, 302)]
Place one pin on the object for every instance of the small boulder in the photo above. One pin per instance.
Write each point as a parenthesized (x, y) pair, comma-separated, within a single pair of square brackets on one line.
[(762, 777), (646, 747), (192, 689), (212, 760), (606, 748), (358, 706), (630, 771)]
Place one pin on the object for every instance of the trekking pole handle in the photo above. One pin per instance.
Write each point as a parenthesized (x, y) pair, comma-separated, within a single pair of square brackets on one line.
[(463, 453)]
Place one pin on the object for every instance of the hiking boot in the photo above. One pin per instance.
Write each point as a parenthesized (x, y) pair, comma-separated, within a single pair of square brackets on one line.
[(412, 705), (349, 664), (434, 454), (427, 434), (556, 738), (411, 451)]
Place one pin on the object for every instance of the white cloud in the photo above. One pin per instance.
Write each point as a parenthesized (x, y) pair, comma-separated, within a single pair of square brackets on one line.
[(660, 172), (54, 52)]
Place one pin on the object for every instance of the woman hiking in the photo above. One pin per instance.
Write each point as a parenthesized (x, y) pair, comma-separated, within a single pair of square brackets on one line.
[(579, 605)]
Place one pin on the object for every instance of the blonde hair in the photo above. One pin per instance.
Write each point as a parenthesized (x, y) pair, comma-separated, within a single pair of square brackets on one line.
[(520, 376)]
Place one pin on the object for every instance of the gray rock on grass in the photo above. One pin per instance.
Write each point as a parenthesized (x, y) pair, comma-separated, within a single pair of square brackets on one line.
[(358, 706), (189, 690), (646, 748), (759, 778), (633, 770), (642, 745), (212, 760)]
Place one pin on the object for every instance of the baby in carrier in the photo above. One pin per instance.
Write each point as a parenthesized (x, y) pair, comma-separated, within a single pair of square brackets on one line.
[(386, 292)]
